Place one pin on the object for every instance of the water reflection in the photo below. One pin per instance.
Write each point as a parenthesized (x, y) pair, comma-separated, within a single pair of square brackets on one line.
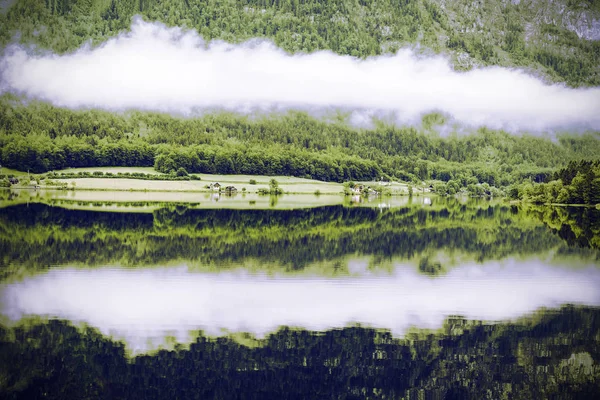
[(454, 299), (551, 355), (144, 306), (38, 236)]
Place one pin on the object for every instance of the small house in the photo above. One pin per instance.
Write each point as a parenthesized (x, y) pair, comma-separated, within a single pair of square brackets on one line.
[(230, 189), (13, 181), (357, 189), (215, 187)]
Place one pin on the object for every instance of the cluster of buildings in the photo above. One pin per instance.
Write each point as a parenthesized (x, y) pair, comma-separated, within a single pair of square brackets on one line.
[(217, 187)]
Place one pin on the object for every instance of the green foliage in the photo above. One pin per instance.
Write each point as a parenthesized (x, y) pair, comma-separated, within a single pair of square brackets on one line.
[(488, 33), (291, 238), (577, 226), (273, 184), (123, 175), (39, 138), (181, 172), (578, 183)]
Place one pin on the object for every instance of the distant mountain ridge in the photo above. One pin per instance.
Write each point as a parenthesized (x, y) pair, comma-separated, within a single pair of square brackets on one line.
[(558, 40)]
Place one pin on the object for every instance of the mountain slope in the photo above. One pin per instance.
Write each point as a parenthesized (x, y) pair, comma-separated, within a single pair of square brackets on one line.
[(556, 40)]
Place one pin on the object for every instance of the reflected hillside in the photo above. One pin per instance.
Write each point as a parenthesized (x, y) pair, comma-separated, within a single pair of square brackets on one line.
[(446, 300), (548, 355), (578, 226), (38, 236)]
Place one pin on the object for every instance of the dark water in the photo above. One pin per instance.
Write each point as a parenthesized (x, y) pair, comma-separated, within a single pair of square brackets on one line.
[(450, 300)]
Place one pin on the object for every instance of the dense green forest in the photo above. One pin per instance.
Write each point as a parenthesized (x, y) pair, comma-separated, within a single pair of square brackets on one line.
[(549, 355), (39, 137), (577, 183), (40, 236), (527, 34)]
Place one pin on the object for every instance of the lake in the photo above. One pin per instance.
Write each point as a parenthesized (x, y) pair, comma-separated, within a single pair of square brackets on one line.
[(398, 298)]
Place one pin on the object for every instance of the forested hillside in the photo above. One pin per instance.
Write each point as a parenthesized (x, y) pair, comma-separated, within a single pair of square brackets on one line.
[(40, 138), (558, 40), (578, 183)]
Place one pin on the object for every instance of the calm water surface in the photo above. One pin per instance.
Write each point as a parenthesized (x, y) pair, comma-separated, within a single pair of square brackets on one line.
[(444, 300)]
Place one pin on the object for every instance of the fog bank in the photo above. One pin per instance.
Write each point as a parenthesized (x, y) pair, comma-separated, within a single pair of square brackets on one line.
[(143, 306), (153, 67)]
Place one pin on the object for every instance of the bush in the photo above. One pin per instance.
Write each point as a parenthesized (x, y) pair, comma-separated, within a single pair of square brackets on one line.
[(253, 181), (181, 172)]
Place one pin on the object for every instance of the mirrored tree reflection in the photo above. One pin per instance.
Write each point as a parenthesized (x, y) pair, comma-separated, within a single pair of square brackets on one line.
[(551, 354), (451, 300)]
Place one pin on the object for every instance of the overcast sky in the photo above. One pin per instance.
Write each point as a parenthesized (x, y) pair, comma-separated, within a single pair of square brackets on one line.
[(168, 69)]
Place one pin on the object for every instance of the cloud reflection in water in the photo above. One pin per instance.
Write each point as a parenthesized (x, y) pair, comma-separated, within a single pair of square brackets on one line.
[(144, 306)]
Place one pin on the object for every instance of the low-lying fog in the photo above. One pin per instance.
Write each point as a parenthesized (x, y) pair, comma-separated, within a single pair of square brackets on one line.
[(153, 67)]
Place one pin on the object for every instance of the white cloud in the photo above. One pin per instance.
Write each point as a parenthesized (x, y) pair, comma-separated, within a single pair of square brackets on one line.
[(168, 69), (144, 306)]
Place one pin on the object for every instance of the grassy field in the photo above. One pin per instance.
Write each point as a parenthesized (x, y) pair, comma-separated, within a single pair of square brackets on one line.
[(198, 186), (289, 185)]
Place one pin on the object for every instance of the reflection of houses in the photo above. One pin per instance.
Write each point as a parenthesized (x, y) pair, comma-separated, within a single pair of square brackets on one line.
[(215, 187), (427, 201), (230, 189), (384, 205)]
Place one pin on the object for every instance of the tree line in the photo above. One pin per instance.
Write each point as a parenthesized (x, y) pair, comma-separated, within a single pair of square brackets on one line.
[(577, 183), (39, 137)]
